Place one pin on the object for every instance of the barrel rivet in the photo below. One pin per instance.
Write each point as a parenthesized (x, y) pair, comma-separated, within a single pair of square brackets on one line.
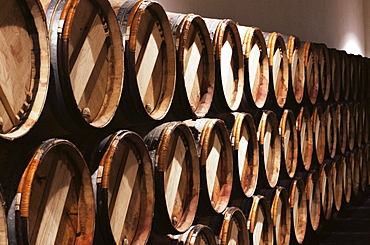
[(148, 107), (174, 220), (86, 113), (125, 241)]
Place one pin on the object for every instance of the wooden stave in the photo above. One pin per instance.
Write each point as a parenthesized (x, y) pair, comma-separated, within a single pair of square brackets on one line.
[(244, 185), (129, 14), (158, 143), (296, 61), (351, 126), (259, 201), (364, 108), (331, 132), (270, 179), (324, 71), (355, 167), (349, 84), (104, 159), (18, 215), (363, 168), (341, 127), (347, 177), (362, 81), (277, 98), (288, 122), (319, 134), (30, 112), (335, 74), (63, 103), (359, 124), (367, 161), (336, 170), (181, 25), (314, 202), (203, 129), (255, 97), (304, 126)]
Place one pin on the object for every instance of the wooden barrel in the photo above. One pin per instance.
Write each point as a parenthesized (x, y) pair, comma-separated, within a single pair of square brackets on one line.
[(366, 160), (216, 165), (362, 80), (195, 75), (229, 76), (196, 235), (150, 59), (363, 168), (54, 203), (353, 68), (349, 84), (289, 143), (298, 208), (176, 167), (279, 69), (270, 149), (355, 159), (336, 79), (234, 228), (313, 198), (311, 67), (341, 118), (124, 189), (324, 71), (3, 225), (336, 171), (260, 223), (331, 130), (319, 133), (359, 123), (326, 189), (245, 153), (351, 125), (305, 137), (25, 67), (296, 68), (364, 117), (280, 213), (347, 176), (87, 63), (256, 67)]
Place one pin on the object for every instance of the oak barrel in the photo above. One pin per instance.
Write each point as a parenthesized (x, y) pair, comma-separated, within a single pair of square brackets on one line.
[(124, 189), (311, 65), (87, 63), (25, 67), (364, 117), (289, 143), (296, 69), (319, 133), (270, 149), (347, 176), (305, 137), (363, 78), (260, 224), (337, 177), (279, 69), (313, 198), (244, 143), (349, 84), (324, 71), (341, 119), (353, 67), (229, 76), (234, 228), (351, 125), (331, 130), (54, 203), (150, 59), (177, 177), (359, 123), (195, 66), (336, 79), (367, 161), (216, 165), (326, 189), (196, 235), (363, 169), (256, 67), (356, 161)]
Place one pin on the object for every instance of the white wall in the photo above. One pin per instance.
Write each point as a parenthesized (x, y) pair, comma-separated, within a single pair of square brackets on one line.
[(340, 23)]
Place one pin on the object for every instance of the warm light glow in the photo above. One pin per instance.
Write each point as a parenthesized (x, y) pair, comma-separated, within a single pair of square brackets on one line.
[(352, 44)]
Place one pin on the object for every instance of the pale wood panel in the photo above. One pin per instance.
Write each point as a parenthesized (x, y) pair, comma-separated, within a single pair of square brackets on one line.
[(192, 63), (303, 135), (280, 232), (233, 231), (277, 59), (15, 53), (173, 175), (254, 69), (227, 73), (51, 219), (267, 145), (212, 166), (243, 153), (287, 143), (125, 191), (258, 230), (82, 21), (87, 57)]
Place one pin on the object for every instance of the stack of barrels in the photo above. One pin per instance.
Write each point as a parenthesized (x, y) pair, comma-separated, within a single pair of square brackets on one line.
[(121, 123)]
